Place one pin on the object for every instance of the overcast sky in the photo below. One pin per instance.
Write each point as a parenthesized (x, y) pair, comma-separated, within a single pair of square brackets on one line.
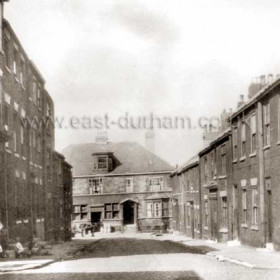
[(169, 57)]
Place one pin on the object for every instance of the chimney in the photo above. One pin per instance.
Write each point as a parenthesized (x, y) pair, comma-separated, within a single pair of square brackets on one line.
[(224, 119), (241, 101), (150, 140), (262, 80), (101, 138), (269, 78)]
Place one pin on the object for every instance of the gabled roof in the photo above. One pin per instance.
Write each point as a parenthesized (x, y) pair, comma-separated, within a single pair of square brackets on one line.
[(133, 158)]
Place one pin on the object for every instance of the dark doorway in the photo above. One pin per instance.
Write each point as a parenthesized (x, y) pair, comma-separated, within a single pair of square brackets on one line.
[(191, 215), (95, 220), (128, 213)]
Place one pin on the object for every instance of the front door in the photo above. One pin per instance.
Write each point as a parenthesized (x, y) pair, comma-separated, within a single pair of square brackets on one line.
[(214, 215), (128, 213), (235, 225), (268, 215)]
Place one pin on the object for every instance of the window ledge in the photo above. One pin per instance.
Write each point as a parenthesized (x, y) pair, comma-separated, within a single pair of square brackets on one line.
[(223, 230), (222, 177), (16, 78), (206, 228), (253, 154), (244, 225), (242, 158), (8, 151), (17, 155), (266, 147), (254, 227), (8, 69), (22, 86), (24, 158), (30, 99), (235, 160)]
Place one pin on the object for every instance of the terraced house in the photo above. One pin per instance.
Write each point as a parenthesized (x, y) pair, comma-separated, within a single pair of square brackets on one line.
[(27, 146), (239, 174), (121, 185)]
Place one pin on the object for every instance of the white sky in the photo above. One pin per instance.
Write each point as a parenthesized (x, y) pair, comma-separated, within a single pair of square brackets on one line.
[(169, 57)]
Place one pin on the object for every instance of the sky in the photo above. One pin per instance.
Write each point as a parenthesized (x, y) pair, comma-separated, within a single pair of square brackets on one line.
[(166, 57)]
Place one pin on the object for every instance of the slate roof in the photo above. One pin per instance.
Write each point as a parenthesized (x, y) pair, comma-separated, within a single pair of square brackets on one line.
[(133, 158)]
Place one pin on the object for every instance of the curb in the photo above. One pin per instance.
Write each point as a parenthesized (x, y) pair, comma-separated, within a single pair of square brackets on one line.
[(27, 267), (231, 260)]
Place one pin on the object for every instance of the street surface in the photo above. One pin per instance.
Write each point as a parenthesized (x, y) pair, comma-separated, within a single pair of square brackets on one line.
[(121, 258)]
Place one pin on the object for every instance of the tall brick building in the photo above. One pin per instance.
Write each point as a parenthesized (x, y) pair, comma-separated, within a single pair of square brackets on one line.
[(27, 144), (122, 185)]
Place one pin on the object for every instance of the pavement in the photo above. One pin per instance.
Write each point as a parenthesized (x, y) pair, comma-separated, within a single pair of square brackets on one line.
[(245, 256)]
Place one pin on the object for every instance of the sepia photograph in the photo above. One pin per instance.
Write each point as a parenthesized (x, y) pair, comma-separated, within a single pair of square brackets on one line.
[(139, 139)]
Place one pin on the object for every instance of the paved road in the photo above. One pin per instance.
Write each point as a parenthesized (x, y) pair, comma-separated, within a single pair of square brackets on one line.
[(163, 265)]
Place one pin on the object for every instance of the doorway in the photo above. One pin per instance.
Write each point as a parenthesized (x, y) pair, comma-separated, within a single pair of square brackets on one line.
[(213, 214), (128, 212), (95, 220), (268, 203), (235, 225)]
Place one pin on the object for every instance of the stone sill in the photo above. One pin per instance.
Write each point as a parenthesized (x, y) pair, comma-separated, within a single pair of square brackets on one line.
[(222, 177), (266, 147), (253, 154), (235, 160), (244, 225), (255, 228), (223, 230), (206, 228), (242, 158)]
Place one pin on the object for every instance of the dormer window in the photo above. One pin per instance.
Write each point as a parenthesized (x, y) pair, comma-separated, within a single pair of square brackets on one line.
[(102, 162)]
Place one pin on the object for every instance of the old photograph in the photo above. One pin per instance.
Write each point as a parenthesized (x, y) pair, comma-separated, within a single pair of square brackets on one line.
[(139, 139)]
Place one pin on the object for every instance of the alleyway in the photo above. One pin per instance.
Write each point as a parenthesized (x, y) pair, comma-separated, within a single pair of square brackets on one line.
[(132, 258)]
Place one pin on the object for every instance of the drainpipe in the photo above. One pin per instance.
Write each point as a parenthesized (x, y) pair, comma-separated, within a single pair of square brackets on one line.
[(261, 172)]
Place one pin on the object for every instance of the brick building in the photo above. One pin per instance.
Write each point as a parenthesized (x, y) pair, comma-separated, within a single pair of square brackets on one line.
[(256, 158), (186, 199), (27, 154), (216, 181), (122, 185)]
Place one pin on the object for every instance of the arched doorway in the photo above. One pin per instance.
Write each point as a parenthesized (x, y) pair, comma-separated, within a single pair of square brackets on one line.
[(129, 211)]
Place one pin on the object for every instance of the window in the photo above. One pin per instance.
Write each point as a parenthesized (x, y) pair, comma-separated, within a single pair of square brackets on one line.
[(48, 111), (15, 141), (6, 114), (205, 170), (244, 206), (266, 135), (111, 211), (165, 208), (189, 215), (213, 165), (253, 128), (34, 91), (39, 96), (206, 213), (6, 51), (243, 139), (154, 209), (224, 160), (234, 143), (22, 71), (15, 63), (102, 162), (224, 212), (95, 185), (22, 139), (155, 184), (255, 206), (129, 184)]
